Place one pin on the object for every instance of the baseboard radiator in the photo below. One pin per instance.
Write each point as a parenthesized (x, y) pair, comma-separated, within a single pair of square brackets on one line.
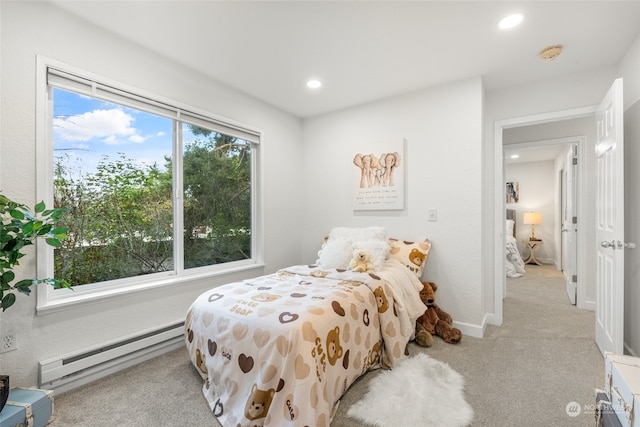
[(73, 370)]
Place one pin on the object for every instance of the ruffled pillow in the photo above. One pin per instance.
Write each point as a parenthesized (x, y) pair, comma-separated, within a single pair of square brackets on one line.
[(358, 234), (338, 246), (336, 254)]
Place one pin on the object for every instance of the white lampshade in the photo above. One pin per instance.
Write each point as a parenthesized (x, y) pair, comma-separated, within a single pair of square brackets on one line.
[(532, 218)]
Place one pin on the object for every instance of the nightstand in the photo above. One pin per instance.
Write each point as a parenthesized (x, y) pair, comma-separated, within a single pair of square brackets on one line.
[(532, 245)]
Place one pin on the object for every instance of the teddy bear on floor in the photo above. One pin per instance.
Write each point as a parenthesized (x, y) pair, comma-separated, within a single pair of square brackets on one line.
[(360, 261), (434, 321)]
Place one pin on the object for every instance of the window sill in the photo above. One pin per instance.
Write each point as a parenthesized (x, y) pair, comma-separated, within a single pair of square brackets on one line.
[(77, 299)]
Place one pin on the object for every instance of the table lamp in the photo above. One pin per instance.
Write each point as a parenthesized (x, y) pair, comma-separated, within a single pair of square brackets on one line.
[(532, 218)]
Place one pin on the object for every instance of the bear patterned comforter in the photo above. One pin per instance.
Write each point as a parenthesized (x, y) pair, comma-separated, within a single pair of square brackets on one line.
[(281, 349)]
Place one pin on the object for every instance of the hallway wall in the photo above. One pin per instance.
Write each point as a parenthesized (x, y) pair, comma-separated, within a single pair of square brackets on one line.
[(537, 184)]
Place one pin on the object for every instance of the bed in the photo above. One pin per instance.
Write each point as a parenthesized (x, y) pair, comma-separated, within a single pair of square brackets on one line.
[(513, 263), (281, 349)]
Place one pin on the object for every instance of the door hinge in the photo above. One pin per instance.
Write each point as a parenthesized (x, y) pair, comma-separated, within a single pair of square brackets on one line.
[(575, 161), (574, 278), (574, 220)]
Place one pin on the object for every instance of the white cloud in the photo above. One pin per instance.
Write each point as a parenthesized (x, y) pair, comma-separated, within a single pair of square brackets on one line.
[(114, 126), (137, 138)]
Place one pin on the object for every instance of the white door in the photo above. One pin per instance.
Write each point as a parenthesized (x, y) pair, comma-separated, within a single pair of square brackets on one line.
[(569, 223), (610, 222)]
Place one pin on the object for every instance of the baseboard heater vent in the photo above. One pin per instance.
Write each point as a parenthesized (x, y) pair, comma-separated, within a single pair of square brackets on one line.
[(73, 370)]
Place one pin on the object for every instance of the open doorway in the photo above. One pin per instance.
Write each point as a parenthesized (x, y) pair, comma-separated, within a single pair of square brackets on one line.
[(548, 174), (534, 129)]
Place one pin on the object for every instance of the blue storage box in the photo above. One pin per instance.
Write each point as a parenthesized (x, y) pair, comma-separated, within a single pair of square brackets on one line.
[(27, 408), (12, 416)]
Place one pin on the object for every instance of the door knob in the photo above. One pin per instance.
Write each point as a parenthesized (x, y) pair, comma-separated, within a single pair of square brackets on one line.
[(611, 244)]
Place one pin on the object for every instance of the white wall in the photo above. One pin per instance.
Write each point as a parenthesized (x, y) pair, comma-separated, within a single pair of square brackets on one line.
[(630, 72), (537, 194), (31, 28), (630, 68), (443, 128)]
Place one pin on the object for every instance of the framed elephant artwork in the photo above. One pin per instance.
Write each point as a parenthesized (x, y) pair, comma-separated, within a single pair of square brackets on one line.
[(379, 171)]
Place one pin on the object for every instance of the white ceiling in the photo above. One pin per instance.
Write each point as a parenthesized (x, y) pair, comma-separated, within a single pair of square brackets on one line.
[(367, 50), (533, 154)]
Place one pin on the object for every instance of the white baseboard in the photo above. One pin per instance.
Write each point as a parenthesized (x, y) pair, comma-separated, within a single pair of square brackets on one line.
[(476, 331), (589, 305), (490, 319), (549, 261)]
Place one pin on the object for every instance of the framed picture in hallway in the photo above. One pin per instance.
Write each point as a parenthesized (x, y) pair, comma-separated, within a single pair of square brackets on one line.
[(513, 192), (379, 171)]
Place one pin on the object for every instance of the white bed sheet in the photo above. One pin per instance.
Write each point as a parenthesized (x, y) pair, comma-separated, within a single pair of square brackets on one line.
[(514, 263)]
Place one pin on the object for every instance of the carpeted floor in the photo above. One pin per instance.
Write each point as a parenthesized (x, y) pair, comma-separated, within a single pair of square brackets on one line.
[(523, 373)]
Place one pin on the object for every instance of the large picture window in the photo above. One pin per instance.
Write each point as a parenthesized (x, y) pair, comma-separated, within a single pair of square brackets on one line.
[(154, 190)]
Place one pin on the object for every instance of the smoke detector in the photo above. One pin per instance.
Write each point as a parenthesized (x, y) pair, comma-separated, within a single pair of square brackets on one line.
[(551, 52)]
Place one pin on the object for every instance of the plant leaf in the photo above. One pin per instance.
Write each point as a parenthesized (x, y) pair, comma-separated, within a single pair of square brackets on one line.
[(8, 301), (24, 286), (54, 242), (16, 214), (27, 228), (44, 230), (39, 207), (8, 276)]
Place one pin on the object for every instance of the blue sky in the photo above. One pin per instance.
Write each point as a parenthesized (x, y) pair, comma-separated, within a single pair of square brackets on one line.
[(85, 129)]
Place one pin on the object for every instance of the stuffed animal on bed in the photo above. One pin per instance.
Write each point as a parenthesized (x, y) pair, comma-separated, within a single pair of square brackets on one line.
[(434, 321), (360, 261)]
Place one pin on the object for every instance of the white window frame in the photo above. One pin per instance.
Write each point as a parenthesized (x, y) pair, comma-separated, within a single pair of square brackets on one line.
[(67, 77)]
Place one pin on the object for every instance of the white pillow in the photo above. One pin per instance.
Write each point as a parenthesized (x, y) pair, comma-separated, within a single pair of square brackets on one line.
[(356, 234), (509, 229), (378, 251), (336, 254)]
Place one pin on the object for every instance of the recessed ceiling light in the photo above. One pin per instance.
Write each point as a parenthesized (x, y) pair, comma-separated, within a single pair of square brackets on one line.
[(511, 21), (514, 156), (314, 84)]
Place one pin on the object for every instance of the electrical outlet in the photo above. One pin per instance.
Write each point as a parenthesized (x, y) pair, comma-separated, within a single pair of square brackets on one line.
[(8, 342)]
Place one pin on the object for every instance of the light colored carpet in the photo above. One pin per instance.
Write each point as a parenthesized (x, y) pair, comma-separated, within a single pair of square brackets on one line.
[(523, 373)]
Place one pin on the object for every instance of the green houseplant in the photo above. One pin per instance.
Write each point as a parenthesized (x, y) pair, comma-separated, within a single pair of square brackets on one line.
[(20, 227)]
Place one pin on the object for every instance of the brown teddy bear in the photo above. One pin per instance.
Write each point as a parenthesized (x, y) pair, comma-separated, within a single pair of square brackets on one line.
[(434, 321)]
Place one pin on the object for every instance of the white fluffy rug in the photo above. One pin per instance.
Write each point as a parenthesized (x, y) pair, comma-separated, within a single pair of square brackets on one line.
[(420, 391)]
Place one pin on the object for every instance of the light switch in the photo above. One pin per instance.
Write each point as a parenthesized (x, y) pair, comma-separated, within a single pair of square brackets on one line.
[(432, 214)]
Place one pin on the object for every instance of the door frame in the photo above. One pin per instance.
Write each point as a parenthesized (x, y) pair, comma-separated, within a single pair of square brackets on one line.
[(500, 196)]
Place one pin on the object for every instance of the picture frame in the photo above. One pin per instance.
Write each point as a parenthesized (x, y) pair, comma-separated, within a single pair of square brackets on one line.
[(513, 192), (379, 176)]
